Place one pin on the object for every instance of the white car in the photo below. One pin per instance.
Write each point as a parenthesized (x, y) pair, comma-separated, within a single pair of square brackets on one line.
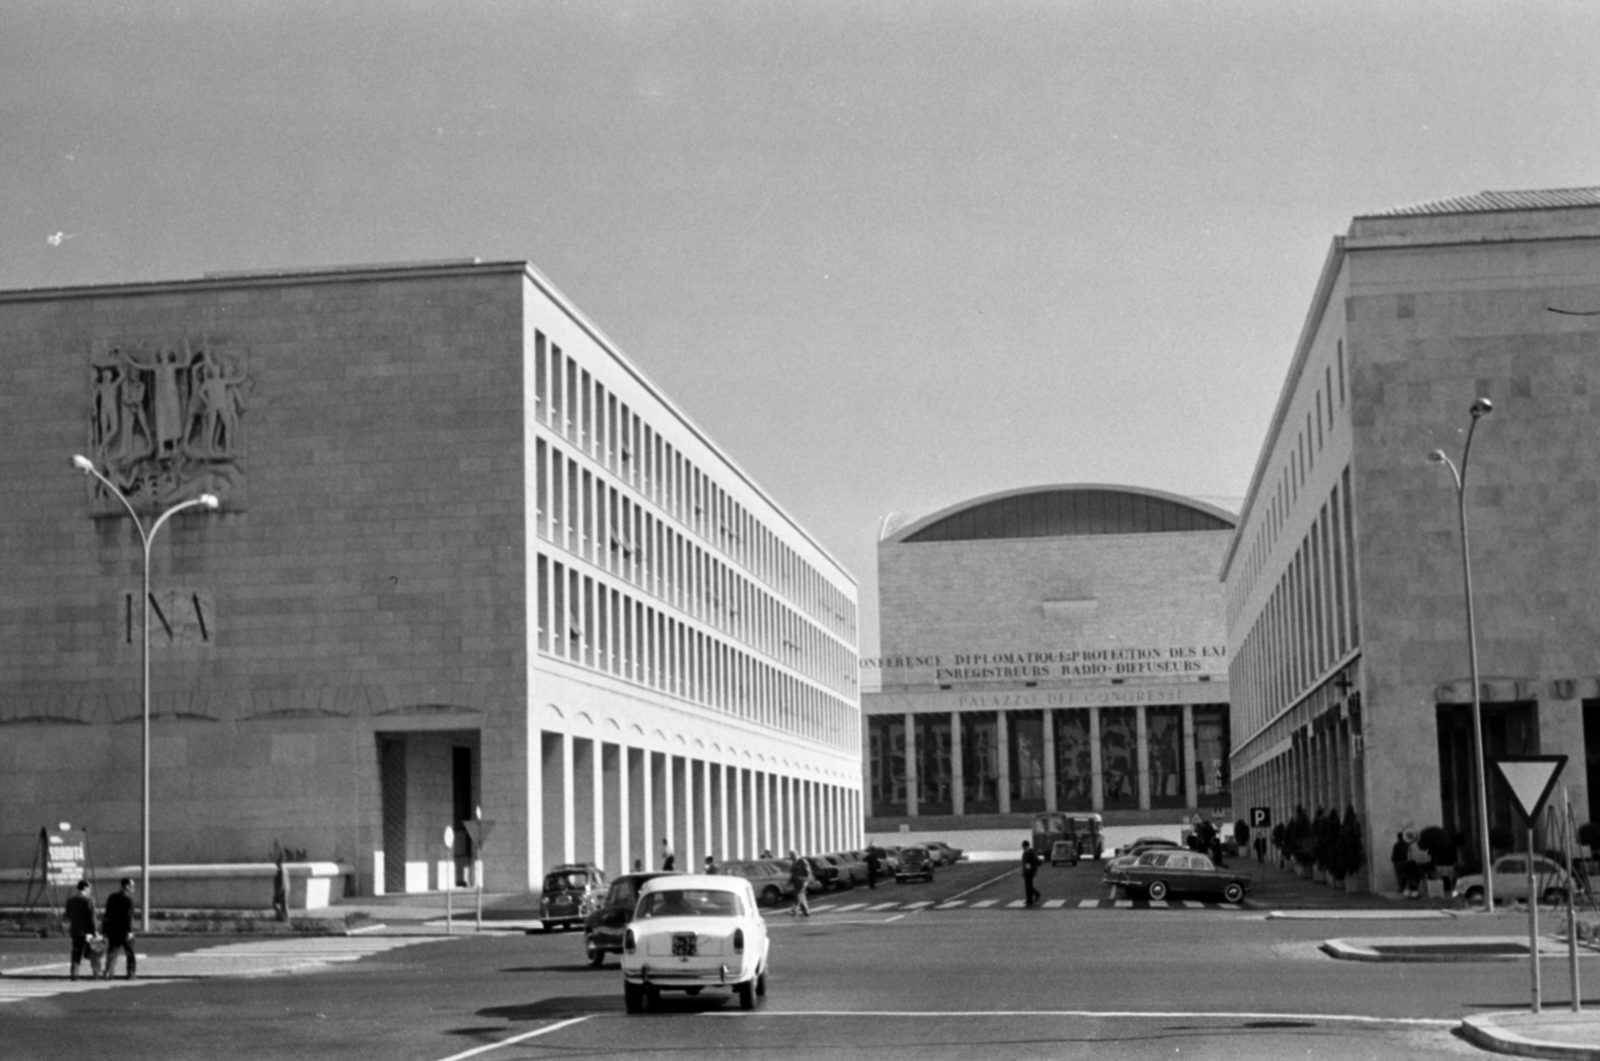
[(690, 932), (1511, 881)]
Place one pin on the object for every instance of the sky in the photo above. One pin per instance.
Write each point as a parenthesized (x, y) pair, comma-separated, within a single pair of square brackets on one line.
[(890, 256)]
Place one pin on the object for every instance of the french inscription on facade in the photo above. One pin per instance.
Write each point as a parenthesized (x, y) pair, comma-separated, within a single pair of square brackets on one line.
[(166, 422)]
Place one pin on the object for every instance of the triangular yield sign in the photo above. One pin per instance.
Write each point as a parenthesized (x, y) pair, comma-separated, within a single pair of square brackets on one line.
[(1531, 777)]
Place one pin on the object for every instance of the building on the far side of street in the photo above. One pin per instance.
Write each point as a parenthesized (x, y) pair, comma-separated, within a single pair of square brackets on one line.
[(1056, 648), (468, 558), (1347, 618)]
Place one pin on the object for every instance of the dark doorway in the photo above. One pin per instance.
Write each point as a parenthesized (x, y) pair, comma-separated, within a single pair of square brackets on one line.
[(392, 779), (1508, 729), (463, 810)]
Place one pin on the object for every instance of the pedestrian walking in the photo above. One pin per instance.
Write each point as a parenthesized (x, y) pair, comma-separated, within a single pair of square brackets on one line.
[(280, 890), (1261, 849), (800, 877), (79, 918), (668, 860), (711, 866), (1400, 859), (117, 927), (1030, 866), (874, 860)]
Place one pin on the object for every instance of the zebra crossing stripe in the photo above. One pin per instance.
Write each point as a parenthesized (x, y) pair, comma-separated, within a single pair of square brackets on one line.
[(919, 905), (1162, 903), (1088, 904), (1054, 904), (884, 906), (984, 903), (951, 906), (1015, 904), (1193, 904), (1122, 904), (852, 906)]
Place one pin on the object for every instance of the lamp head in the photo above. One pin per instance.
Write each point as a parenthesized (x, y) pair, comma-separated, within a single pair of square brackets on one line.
[(209, 500), (83, 464), (1481, 407), (1438, 457)]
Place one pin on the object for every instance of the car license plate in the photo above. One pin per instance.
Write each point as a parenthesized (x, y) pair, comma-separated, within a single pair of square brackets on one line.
[(685, 945)]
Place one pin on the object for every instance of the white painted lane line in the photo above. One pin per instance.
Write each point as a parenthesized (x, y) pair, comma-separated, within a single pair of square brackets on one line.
[(476, 1050), (1015, 904), (1122, 904), (1162, 903), (1125, 1014), (985, 884), (884, 906), (1054, 904), (950, 906), (822, 909), (852, 906), (983, 903), (1088, 904), (919, 905), (1194, 904)]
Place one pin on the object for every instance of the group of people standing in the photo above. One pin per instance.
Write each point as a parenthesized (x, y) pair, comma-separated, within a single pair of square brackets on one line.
[(116, 928)]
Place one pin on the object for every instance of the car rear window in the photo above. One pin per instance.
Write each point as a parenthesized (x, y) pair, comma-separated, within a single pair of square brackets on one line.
[(689, 902), (556, 882)]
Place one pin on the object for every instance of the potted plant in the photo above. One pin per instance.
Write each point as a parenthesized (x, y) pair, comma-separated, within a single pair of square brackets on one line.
[(1300, 842), (1351, 851)]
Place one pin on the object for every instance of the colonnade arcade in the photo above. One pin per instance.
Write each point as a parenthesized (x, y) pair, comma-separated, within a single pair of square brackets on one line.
[(1312, 758), (613, 797), (1138, 757)]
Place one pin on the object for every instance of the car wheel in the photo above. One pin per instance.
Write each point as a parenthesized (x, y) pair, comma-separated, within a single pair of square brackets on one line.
[(593, 951), (1553, 897), (652, 996), (1233, 892), (1474, 895), (545, 926), (632, 997), (771, 895), (761, 983), (1157, 890), (747, 995)]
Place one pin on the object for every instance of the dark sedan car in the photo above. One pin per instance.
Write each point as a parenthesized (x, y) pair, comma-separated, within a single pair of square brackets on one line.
[(603, 928), (1159, 873)]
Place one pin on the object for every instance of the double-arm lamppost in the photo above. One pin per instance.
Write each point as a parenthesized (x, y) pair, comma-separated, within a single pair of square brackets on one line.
[(85, 465), (1480, 408)]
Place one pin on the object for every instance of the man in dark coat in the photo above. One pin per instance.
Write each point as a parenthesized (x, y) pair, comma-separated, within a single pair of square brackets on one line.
[(117, 927), (874, 860), (79, 916), (1030, 866)]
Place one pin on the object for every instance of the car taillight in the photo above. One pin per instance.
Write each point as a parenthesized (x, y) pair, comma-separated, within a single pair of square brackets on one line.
[(627, 941), (738, 941)]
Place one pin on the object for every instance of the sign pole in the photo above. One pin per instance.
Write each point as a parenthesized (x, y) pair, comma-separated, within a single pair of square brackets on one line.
[(1533, 917), (449, 880), (1572, 917)]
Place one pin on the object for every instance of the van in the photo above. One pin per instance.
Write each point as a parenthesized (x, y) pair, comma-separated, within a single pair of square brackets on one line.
[(1082, 830)]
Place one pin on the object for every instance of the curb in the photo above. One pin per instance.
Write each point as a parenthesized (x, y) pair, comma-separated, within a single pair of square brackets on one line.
[(1486, 1033)]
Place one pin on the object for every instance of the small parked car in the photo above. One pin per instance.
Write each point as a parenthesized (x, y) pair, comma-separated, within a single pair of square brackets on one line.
[(690, 932), (1064, 853), (1511, 881), (603, 928), (824, 873), (852, 870), (1127, 855), (1164, 872), (570, 893), (943, 852), (915, 862), (770, 879)]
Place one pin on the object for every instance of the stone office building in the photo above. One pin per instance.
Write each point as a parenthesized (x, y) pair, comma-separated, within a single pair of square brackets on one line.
[(1051, 648), (1346, 607), (467, 556)]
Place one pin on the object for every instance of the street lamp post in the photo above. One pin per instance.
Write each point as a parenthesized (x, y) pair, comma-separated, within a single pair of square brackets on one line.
[(1480, 408), (85, 465)]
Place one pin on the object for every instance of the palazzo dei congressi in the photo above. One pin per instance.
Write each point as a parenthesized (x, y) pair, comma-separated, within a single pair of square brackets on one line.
[(467, 556)]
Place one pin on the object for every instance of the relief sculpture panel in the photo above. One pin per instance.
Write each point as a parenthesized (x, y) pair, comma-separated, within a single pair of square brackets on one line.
[(166, 423)]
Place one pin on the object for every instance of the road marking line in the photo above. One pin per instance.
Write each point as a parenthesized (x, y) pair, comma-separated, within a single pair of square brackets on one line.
[(1122, 904), (1088, 904), (476, 1050), (919, 904), (1158, 902), (852, 906), (1015, 904), (950, 906), (822, 909), (1194, 904), (983, 903), (985, 884), (884, 906), (1330, 1018), (1054, 904)]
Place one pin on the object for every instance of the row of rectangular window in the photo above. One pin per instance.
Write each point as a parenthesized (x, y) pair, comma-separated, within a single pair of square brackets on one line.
[(578, 511), (1310, 622), (1290, 481), (585, 621), (579, 408)]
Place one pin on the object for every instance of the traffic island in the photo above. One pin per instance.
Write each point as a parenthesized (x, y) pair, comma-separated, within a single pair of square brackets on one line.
[(1563, 1034)]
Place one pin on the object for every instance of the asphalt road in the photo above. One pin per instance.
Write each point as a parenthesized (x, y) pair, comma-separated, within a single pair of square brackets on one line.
[(992, 982)]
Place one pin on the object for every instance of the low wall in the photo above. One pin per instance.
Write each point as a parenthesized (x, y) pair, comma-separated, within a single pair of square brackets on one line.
[(229, 886)]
